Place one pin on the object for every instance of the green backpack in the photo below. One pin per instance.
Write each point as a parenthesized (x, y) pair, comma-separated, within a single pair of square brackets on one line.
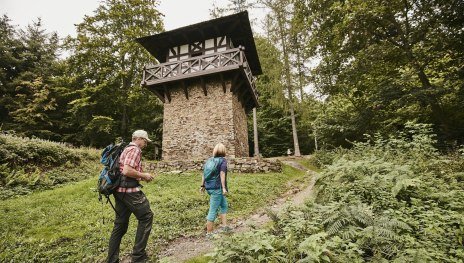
[(211, 173)]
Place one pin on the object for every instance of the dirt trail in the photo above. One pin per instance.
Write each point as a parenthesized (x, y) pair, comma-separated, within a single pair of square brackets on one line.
[(188, 247)]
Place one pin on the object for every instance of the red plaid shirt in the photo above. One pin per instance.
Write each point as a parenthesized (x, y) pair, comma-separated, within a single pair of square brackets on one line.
[(131, 156)]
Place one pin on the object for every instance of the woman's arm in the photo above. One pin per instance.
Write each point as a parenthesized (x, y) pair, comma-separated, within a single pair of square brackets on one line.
[(223, 182), (202, 186)]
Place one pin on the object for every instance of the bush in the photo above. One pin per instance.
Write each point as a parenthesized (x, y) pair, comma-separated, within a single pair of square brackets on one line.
[(394, 199), (323, 158), (29, 164), (18, 152)]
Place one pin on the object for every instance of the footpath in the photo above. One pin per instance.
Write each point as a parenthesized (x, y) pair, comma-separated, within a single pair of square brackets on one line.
[(185, 248)]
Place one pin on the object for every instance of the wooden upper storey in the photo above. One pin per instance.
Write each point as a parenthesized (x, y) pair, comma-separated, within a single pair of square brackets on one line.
[(199, 48), (235, 28), (222, 46)]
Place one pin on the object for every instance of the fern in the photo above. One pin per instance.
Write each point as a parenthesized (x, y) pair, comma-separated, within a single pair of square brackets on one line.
[(386, 200)]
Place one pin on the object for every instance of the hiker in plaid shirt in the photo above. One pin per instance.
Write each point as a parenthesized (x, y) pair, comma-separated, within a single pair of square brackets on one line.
[(131, 200)]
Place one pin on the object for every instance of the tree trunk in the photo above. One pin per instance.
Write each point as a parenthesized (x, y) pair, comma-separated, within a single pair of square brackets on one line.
[(124, 119), (255, 133), (288, 82), (315, 138), (300, 73), (295, 135)]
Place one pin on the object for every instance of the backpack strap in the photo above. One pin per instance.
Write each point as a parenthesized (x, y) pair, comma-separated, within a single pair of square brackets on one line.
[(218, 167), (126, 181), (108, 200), (218, 175)]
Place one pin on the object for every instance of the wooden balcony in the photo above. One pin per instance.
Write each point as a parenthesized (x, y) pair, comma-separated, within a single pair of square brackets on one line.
[(156, 77)]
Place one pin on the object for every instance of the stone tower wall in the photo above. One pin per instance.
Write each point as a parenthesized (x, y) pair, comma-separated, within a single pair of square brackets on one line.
[(240, 128), (193, 126)]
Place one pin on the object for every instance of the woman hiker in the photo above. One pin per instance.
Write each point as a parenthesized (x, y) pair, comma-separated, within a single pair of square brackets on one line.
[(214, 181)]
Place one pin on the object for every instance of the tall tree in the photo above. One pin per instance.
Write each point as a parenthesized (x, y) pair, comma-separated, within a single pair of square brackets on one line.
[(394, 61), (105, 71), (29, 97), (10, 65), (279, 30), (298, 37), (274, 126)]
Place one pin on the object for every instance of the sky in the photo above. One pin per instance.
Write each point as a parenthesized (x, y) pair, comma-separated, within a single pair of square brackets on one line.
[(61, 15)]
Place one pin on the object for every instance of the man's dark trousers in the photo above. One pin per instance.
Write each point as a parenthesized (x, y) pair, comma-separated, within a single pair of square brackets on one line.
[(126, 204)]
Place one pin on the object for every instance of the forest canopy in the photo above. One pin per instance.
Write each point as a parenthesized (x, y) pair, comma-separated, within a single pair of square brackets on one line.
[(333, 71)]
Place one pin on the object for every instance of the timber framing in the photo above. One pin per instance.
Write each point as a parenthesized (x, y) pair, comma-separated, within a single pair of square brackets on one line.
[(222, 49), (236, 27), (157, 77)]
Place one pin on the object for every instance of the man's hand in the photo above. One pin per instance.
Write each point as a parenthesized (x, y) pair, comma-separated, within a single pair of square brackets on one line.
[(224, 191), (147, 177), (202, 189)]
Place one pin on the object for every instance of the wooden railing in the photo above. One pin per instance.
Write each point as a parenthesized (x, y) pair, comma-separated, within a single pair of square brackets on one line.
[(197, 66)]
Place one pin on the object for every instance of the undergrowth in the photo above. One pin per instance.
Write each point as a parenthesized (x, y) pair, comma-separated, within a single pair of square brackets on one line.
[(391, 199), (27, 165)]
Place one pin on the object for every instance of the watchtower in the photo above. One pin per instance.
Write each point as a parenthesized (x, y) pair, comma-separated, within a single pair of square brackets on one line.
[(205, 80)]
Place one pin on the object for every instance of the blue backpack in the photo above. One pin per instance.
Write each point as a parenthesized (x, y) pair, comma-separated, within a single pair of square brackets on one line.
[(110, 176), (211, 173)]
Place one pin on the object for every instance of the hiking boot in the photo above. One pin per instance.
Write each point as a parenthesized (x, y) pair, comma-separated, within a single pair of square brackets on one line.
[(226, 229), (211, 236)]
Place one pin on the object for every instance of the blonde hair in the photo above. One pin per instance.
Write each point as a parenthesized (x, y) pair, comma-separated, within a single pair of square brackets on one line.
[(219, 150)]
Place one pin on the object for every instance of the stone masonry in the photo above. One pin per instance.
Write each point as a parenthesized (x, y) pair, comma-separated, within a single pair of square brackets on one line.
[(193, 126), (234, 165)]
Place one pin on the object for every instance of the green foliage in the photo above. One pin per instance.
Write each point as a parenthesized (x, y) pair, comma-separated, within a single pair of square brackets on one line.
[(100, 130), (384, 63), (102, 80), (200, 259), (28, 80), (394, 199), (18, 151), (65, 99), (324, 157), (274, 124), (28, 164)]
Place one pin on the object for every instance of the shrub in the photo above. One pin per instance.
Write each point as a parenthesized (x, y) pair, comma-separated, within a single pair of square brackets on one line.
[(27, 164), (395, 199)]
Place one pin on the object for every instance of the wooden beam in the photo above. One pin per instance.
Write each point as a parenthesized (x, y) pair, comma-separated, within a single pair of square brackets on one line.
[(158, 94), (184, 87), (223, 83), (255, 134), (203, 86), (234, 81), (167, 94), (144, 83), (193, 75)]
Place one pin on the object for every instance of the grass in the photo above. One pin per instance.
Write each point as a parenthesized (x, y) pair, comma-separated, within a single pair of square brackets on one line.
[(308, 164), (200, 259), (68, 224)]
